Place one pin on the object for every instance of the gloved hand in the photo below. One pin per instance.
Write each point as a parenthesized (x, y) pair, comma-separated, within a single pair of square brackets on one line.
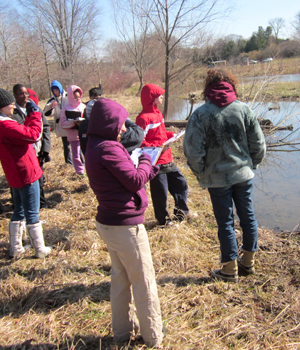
[(43, 158), (153, 172), (145, 158), (31, 107)]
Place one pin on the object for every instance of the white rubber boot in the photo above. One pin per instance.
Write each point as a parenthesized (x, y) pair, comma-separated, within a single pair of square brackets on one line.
[(25, 239), (35, 232), (15, 229)]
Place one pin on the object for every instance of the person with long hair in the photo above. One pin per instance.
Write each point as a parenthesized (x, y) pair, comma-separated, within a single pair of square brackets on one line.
[(72, 126), (223, 145)]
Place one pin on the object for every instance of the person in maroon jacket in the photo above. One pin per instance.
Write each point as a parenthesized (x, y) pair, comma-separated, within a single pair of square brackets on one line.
[(169, 177), (119, 188), (22, 170)]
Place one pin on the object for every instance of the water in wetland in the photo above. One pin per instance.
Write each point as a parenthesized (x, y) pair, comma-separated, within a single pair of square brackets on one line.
[(277, 180)]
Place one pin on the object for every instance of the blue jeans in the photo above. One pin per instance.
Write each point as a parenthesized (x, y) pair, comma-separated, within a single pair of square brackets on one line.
[(26, 203), (222, 199)]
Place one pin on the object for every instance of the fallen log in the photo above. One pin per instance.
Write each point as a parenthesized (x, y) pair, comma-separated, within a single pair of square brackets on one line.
[(279, 128), (176, 123), (183, 123)]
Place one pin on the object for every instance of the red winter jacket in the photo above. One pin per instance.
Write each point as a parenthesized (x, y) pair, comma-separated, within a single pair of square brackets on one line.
[(17, 155), (151, 121)]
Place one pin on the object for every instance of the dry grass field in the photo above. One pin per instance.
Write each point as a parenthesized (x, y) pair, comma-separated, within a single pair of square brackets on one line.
[(62, 301)]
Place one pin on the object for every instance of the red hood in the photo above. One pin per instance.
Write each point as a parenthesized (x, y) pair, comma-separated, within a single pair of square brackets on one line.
[(33, 96), (221, 94), (148, 95)]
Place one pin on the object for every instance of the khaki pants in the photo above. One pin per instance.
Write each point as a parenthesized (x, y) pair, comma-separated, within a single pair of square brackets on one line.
[(132, 266)]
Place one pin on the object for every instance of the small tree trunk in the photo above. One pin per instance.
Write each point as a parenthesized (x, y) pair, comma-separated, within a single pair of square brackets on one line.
[(166, 104), (141, 85)]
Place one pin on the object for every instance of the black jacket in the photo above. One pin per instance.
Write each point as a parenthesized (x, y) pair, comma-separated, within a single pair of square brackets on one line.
[(131, 139)]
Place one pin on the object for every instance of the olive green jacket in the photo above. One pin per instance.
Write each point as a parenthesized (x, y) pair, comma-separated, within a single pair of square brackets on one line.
[(223, 145)]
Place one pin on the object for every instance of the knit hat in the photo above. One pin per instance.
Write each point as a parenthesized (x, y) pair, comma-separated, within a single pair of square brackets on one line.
[(6, 98)]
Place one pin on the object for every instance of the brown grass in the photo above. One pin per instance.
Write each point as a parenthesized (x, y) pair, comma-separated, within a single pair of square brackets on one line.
[(62, 302)]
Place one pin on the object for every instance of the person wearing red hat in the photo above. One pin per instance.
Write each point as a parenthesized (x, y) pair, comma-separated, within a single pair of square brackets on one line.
[(33, 96)]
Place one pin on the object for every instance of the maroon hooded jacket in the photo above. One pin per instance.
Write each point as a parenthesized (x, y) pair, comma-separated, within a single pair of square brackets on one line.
[(117, 184), (151, 121)]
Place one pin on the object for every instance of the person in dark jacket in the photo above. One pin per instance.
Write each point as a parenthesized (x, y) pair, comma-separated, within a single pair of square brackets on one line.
[(43, 146), (130, 139), (119, 188), (94, 94), (22, 172)]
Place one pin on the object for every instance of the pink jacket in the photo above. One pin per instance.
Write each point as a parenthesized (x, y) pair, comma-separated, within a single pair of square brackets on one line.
[(73, 105)]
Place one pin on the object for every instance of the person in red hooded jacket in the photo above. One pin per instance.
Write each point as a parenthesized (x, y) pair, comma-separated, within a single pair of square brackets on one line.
[(169, 177), (22, 171)]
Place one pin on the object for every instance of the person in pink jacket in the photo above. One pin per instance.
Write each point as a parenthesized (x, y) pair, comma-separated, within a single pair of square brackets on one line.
[(72, 126)]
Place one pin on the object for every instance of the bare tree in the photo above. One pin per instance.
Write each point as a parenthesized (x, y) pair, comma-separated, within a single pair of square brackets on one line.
[(277, 24), (30, 59), (177, 23), (46, 51), (134, 29), (295, 34), (296, 27), (66, 25), (7, 40)]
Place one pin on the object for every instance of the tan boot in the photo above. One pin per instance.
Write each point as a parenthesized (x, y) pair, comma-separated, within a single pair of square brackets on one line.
[(35, 232), (246, 263), (15, 238), (229, 272)]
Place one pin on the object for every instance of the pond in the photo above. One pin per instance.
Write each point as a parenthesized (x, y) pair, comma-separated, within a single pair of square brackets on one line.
[(277, 78), (277, 180)]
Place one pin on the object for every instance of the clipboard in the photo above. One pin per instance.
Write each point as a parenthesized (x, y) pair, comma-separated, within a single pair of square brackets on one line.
[(174, 138), (154, 153), (74, 115)]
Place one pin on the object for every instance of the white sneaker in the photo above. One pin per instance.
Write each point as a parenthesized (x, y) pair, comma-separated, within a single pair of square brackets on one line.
[(191, 215)]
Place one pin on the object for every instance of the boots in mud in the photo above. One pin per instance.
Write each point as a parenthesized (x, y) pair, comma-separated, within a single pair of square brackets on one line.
[(15, 229), (246, 263), (35, 232), (228, 273)]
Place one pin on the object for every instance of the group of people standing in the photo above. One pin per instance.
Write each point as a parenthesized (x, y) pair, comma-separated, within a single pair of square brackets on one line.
[(223, 144)]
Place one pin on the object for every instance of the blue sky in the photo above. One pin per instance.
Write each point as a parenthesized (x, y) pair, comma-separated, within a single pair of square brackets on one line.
[(251, 14), (244, 20)]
